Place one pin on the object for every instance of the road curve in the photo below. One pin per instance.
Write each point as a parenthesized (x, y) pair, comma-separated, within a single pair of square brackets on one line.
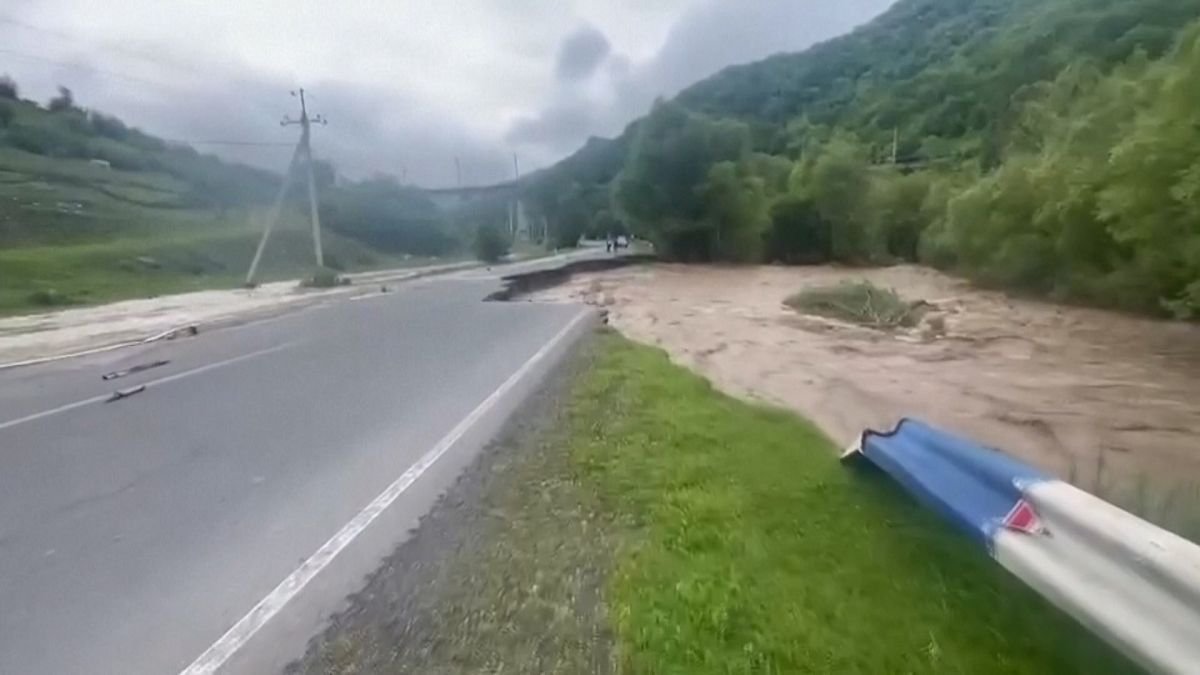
[(135, 532)]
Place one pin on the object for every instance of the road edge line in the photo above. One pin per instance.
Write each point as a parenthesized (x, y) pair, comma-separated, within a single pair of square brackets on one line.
[(232, 641)]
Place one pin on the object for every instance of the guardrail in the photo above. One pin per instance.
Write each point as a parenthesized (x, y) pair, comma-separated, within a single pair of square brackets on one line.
[(1132, 583)]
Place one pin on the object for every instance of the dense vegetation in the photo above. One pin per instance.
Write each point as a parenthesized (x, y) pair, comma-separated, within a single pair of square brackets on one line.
[(1048, 146)]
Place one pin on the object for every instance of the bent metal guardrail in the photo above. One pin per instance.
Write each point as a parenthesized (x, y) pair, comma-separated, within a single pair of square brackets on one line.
[(1132, 583)]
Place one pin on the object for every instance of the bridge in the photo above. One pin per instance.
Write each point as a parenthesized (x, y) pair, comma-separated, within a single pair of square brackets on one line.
[(504, 195), (453, 197)]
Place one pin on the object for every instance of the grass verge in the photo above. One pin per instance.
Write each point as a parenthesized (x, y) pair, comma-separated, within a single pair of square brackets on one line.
[(653, 525), (858, 302), (90, 274), (750, 549)]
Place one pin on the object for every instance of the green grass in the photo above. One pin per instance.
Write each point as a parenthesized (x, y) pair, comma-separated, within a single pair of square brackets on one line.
[(749, 549), (72, 233), (108, 271)]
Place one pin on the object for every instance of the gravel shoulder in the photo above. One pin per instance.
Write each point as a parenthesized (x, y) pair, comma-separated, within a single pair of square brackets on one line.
[(78, 329), (505, 574)]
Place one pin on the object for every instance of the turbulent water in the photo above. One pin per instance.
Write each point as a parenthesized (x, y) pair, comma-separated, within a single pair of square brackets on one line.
[(1082, 393)]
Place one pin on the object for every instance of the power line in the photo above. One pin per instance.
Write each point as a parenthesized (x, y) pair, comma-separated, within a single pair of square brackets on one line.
[(134, 78), (266, 144), (81, 66), (156, 59)]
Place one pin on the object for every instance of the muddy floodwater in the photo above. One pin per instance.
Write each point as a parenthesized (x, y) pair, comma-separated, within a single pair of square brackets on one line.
[(1082, 393)]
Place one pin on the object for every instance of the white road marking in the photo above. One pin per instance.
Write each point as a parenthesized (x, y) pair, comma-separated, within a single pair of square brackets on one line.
[(152, 383), (236, 637)]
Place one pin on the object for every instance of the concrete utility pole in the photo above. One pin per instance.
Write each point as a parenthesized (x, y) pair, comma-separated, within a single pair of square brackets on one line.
[(514, 218), (303, 152), (895, 145)]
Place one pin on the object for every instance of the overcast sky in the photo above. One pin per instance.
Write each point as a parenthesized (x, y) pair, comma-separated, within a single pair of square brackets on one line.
[(407, 86)]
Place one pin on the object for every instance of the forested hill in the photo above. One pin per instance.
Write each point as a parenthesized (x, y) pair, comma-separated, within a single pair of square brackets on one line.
[(1021, 130), (944, 69)]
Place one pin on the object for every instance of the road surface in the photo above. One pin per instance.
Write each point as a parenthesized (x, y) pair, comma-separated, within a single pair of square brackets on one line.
[(135, 533)]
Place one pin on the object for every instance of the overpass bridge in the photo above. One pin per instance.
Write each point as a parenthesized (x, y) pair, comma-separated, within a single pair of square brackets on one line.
[(506, 195)]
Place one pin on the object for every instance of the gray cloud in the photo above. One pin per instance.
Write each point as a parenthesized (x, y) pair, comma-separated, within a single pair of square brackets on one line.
[(581, 53), (406, 90), (708, 36), (559, 125)]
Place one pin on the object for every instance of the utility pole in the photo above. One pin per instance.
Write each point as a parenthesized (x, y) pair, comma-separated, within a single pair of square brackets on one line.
[(303, 153), (514, 221), (895, 144)]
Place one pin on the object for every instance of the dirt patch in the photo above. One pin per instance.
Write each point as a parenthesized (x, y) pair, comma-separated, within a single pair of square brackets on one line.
[(505, 574), (77, 329), (1076, 391)]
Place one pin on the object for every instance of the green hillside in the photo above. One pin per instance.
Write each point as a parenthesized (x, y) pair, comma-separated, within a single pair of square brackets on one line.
[(1022, 133), (92, 210)]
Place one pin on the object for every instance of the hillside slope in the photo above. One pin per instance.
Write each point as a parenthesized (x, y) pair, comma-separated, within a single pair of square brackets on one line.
[(92, 210), (900, 139)]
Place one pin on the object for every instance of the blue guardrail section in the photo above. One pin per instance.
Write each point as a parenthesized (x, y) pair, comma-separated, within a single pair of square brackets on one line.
[(973, 486)]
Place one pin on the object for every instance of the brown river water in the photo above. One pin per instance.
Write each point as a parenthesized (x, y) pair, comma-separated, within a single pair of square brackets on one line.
[(1086, 394)]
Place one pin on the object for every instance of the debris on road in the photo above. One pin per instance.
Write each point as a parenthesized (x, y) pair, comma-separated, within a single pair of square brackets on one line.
[(135, 369), (126, 393)]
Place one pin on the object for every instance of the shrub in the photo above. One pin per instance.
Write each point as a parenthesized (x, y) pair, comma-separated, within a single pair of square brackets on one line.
[(798, 234), (8, 88), (334, 263), (490, 243), (324, 278), (858, 302), (49, 297), (64, 102), (119, 156), (41, 140), (108, 126)]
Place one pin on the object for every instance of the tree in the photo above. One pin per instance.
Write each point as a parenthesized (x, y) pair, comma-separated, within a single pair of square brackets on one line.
[(837, 184), (659, 190), (64, 102), (387, 216), (8, 88), (490, 243), (736, 203), (798, 234), (107, 126), (604, 224), (896, 213)]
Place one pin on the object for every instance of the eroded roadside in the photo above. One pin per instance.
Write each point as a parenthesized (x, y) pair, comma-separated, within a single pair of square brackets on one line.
[(505, 574)]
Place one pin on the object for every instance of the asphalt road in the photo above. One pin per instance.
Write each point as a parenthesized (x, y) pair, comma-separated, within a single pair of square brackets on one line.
[(135, 533)]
